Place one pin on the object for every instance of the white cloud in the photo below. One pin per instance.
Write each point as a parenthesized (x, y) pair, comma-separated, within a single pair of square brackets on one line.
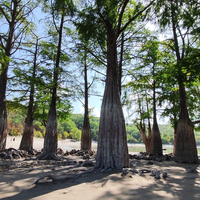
[(96, 112)]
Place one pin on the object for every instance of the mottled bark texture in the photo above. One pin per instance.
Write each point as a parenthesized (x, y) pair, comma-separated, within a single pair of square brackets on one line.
[(112, 149), (4, 74), (27, 137), (86, 136), (185, 145), (156, 142), (120, 64), (3, 111), (175, 130), (51, 135)]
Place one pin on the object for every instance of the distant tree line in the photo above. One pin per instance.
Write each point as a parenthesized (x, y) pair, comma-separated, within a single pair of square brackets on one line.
[(71, 128)]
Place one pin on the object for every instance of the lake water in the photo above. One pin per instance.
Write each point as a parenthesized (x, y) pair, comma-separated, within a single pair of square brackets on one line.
[(135, 148), (68, 145)]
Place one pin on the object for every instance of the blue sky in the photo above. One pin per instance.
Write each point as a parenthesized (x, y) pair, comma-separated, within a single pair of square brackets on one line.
[(94, 101)]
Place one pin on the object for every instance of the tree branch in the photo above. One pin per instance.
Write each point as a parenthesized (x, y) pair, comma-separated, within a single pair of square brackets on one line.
[(4, 14), (134, 17), (196, 122), (121, 15)]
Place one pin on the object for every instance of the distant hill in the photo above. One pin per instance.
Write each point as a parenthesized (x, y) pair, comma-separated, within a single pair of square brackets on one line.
[(71, 128)]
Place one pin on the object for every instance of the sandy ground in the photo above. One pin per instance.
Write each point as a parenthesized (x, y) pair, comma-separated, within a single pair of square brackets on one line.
[(38, 143), (17, 178)]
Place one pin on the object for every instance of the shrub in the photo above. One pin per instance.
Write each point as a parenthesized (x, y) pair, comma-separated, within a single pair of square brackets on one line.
[(38, 134), (14, 131)]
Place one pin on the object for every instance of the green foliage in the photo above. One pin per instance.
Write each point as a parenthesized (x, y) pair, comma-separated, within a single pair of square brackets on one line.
[(78, 120), (71, 128), (65, 135), (38, 134), (94, 125), (68, 129), (4, 60), (14, 131)]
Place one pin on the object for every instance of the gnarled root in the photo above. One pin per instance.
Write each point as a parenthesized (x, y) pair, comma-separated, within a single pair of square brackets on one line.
[(54, 178), (49, 156)]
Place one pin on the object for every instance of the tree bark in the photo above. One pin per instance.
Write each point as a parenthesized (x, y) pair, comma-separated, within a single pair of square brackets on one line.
[(86, 136), (112, 151), (120, 64), (51, 135), (175, 133), (3, 111), (4, 76), (186, 150), (28, 133), (156, 142)]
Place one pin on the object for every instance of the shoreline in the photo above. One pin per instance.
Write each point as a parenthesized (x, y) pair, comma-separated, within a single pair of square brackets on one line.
[(65, 144), (68, 144)]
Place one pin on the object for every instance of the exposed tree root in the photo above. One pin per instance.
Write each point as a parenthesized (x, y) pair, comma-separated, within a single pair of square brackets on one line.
[(49, 156), (50, 176), (55, 178), (87, 163)]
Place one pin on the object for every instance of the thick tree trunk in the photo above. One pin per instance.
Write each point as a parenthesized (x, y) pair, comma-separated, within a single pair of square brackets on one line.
[(112, 151), (3, 111), (186, 150), (156, 142), (120, 64), (4, 75), (175, 133), (185, 147), (51, 135), (86, 136), (175, 123), (27, 137)]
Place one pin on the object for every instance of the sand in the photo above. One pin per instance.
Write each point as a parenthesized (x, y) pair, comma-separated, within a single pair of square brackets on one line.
[(66, 144), (17, 178)]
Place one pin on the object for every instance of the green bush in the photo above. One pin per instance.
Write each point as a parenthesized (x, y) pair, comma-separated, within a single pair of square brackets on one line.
[(65, 135), (14, 131), (38, 134)]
